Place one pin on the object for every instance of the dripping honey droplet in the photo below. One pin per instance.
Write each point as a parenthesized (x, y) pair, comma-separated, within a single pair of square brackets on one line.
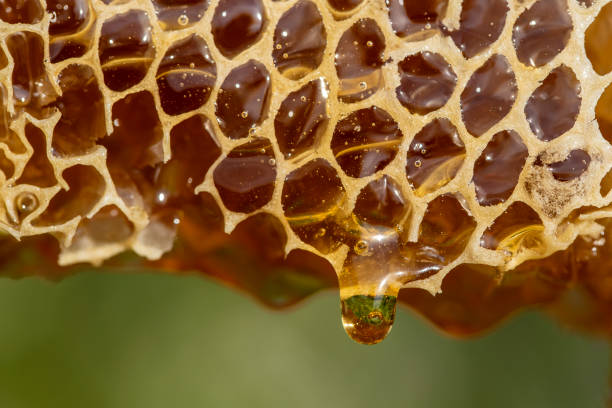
[(368, 319)]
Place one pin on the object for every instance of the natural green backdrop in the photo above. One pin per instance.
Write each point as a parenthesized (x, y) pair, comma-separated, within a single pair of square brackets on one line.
[(140, 340)]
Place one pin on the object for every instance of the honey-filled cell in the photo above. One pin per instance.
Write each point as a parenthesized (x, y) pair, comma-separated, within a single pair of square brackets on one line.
[(358, 60), (126, 49)]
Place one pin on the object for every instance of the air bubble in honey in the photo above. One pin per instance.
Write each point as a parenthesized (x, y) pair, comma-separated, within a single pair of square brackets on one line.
[(366, 141), (300, 39), (32, 87), (179, 14), (434, 157), (368, 319), (243, 98), (311, 199), (26, 203), (70, 29), (302, 118), (245, 178), (357, 63), (186, 76), (416, 20)]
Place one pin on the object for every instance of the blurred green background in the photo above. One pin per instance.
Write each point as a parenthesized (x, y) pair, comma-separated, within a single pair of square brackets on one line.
[(146, 340)]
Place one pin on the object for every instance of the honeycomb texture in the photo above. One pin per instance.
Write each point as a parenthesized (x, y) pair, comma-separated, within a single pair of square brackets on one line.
[(398, 140)]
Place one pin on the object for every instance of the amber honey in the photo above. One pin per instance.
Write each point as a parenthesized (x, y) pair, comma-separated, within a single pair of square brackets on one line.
[(452, 155)]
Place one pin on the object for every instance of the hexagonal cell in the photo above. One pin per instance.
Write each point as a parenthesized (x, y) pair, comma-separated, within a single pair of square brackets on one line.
[(518, 228), (427, 82), (381, 203), (136, 141), (553, 107), (237, 24), (302, 118), (7, 135), (443, 235), (480, 25), (603, 113), (70, 29), (6, 166), (271, 237), (542, 32), (435, 156), (242, 102), (416, 19), (21, 11), (172, 184), (598, 41), (85, 188), (299, 40), (125, 49), (186, 75), (497, 170), (358, 59), (32, 88), (81, 124), (107, 226), (38, 170), (573, 166), (342, 9), (194, 150), (311, 198), (179, 14), (245, 178), (366, 141), (489, 95)]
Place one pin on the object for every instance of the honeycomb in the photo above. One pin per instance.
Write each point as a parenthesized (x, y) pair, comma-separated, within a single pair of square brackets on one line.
[(451, 148)]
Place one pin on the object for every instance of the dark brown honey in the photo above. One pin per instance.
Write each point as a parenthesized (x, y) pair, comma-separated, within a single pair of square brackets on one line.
[(488, 96), (365, 142), (358, 59), (542, 32), (559, 93), (498, 168), (242, 101), (427, 82), (302, 118), (299, 40)]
